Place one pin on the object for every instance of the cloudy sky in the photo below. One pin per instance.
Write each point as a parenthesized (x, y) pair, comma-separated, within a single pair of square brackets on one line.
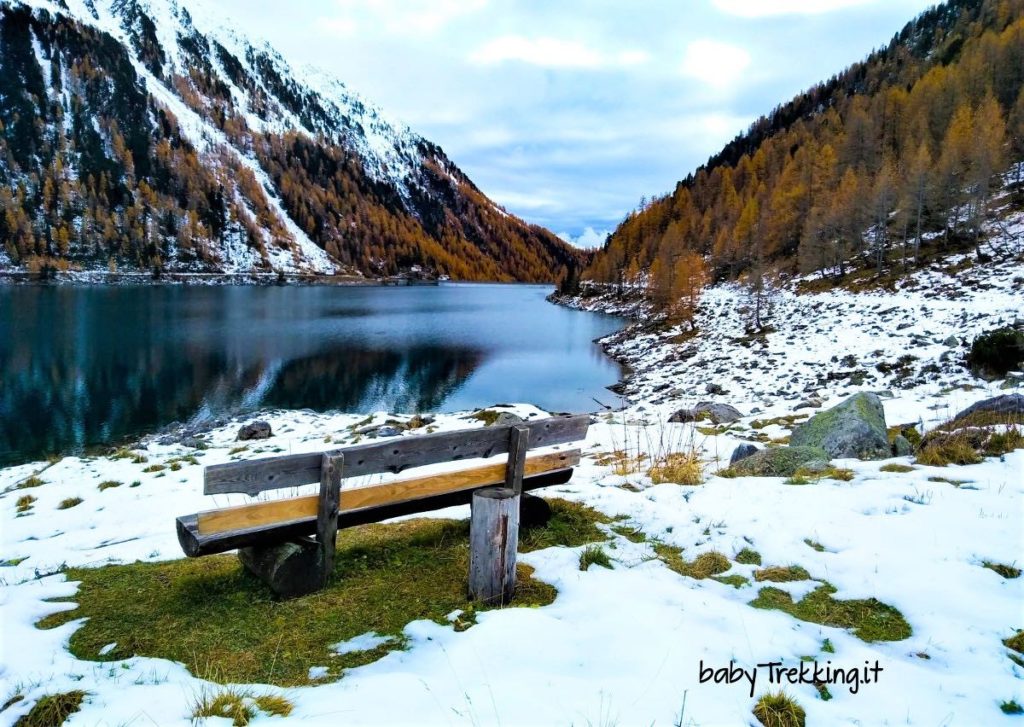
[(569, 112)]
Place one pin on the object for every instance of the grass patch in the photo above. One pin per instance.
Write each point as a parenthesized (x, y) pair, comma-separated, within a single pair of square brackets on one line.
[(239, 450), (804, 476), (52, 710), (29, 483), (748, 556), (703, 566), (1006, 571), (239, 705), (594, 555), (108, 485), (814, 545), (69, 503), (870, 619), (955, 483), (947, 451), (1015, 642), (779, 710), (735, 580), (155, 468), (781, 574), (621, 462), (896, 467), (680, 468), (786, 421), (215, 618), (25, 502), (633, 535), (1011, 707), (487, 416), (827, 647)]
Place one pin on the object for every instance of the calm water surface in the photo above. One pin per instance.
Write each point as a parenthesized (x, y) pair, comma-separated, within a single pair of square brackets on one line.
[(81, 366)]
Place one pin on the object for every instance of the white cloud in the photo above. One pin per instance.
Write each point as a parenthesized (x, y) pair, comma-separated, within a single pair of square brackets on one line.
[(553, 53), (719, 65), (764, 8), (399, 17), (589, 238)]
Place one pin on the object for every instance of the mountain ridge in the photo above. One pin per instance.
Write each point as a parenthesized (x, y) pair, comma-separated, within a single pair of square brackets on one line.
[(248, 164)]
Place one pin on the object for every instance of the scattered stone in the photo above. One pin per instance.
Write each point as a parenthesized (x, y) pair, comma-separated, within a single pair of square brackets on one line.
[(717, 413), (854, 428), (716, 389), (742, 452), (778, 461), (951, 342), (258, 429), (811, 402), (1004, 404), (384, 430), (901, 446), (506, 418)]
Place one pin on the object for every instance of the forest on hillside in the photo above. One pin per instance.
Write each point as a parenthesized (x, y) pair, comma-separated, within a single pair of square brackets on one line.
[(895, 158), (97, 171)]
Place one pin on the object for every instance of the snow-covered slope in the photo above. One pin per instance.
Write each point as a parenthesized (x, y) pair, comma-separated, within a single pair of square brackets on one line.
[(283, 169)]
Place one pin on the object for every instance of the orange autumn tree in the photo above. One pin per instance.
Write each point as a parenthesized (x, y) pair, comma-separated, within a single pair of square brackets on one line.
[(690, 275)]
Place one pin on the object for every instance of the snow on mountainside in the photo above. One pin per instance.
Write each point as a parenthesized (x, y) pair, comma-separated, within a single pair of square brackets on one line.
[(163, 139)]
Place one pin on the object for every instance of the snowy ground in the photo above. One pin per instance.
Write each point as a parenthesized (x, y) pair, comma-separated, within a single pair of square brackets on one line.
[(624, 646)]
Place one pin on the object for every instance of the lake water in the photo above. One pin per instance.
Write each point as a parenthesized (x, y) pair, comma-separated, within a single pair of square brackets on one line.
[(82, 366)]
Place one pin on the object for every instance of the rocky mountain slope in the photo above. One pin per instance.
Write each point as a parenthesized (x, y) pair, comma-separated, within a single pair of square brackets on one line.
[(143, 134)]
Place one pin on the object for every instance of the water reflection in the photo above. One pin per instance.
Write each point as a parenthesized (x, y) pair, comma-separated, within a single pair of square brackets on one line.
[(85, 366)]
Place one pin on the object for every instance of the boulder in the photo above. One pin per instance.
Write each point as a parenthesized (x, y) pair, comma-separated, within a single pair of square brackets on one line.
[(715, 389), (951, 342), (854, 428), (742, 452), (258, 429), (291, 569), (811, 402), (778, 461), (717, 413), (1007, 404)]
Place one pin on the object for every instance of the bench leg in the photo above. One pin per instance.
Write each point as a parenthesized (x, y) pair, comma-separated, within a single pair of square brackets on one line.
[(291, 569), (493, 540)]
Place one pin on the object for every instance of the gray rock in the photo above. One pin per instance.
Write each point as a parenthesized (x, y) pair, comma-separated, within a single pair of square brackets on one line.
[(815, 466), (901, 446), (811, 402), (951, 342), (854, 428), (1005, 404), (715, 389), (258, 429), (386, 430), (717, 413), (778, 461), (742, 452), (291, 569)]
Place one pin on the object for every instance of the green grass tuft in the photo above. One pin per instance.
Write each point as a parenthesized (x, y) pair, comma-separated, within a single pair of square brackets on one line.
[(814, 545), (69, 503), (594, 555), (748, 556), (108, 484), (780, 574), (870, 619), (32, 481), (25, 502), (779, 710), (1015, 642), (633, 535), (215, 618), (1006, 571), (896, 467), (703, 566), (735, 580), (1011, 707), (52, 710)]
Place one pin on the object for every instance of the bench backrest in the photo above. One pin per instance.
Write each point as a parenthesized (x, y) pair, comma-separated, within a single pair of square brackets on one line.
[(230, 527), (395, 455)]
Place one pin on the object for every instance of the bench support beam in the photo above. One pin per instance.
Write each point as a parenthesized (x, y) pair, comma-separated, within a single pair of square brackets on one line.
[(493, 540), (331, 473)]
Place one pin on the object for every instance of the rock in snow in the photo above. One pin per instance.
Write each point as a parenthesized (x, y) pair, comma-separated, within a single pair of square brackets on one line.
[(855, 428)]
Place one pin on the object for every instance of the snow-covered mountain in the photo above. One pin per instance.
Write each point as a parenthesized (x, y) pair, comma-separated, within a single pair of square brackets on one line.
[(147, 134)]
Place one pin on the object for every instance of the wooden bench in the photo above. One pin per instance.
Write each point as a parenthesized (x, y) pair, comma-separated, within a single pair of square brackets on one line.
[(272, 537)]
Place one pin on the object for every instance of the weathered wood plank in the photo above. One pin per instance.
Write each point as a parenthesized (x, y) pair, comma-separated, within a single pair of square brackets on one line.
[(493, 540), (327, 511), (259, 514), (195, 544), (518, 443), (392, 455)]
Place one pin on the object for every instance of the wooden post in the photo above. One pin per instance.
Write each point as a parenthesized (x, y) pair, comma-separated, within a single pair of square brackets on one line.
[(518, 443), (493, 540), (331, 468)]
